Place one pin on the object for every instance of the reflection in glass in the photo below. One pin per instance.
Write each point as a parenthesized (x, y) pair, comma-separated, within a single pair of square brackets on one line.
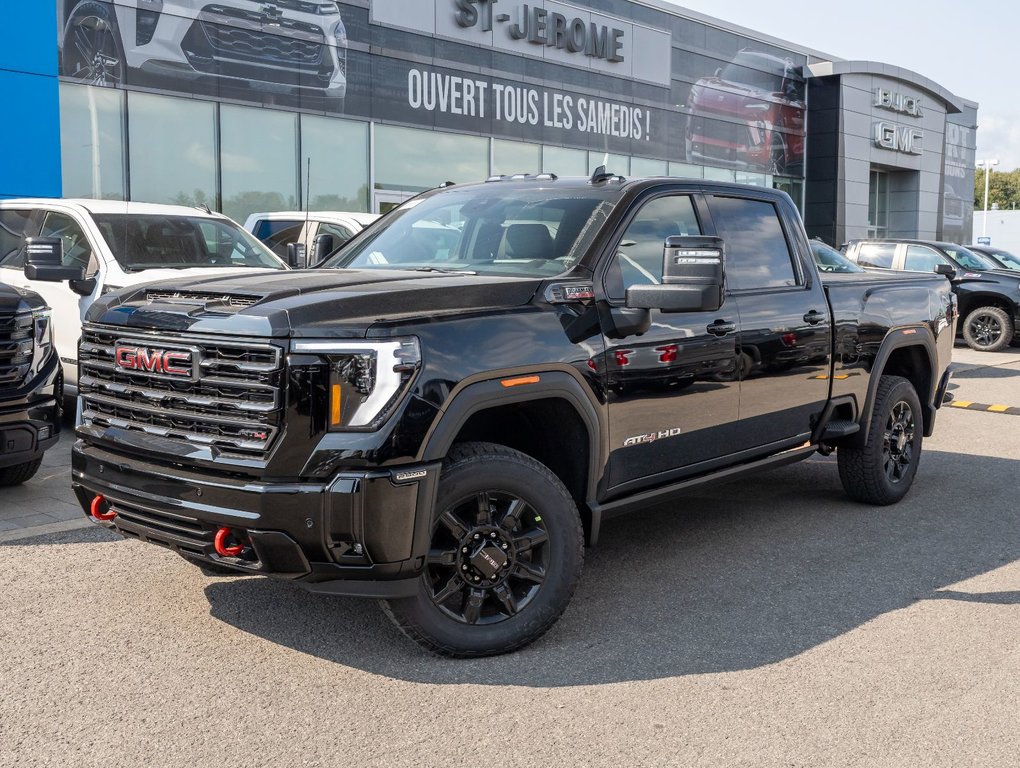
[(258, 152), (416, 160), (92, 141), (687, 171), (720, 174), (564, 162), (510, 157), (183, 168), (614, 163), (642, 166), (338, 172)]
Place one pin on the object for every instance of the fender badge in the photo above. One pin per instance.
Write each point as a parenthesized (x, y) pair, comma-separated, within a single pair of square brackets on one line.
[(402, 476)]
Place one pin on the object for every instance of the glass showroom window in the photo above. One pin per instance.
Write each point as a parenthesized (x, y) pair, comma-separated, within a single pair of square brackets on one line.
[(338, 150), (687, 171), (564, 162), (415, 160), (183, 169), (878, 204), (720, 174), (641, 166), (92, 141), (258, 157), (614, 163), (510, 157)]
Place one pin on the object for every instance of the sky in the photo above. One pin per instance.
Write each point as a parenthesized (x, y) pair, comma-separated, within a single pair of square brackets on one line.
[(969, 48)]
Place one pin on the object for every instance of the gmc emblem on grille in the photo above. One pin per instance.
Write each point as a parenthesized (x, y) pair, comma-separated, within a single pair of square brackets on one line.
[(178, 363)]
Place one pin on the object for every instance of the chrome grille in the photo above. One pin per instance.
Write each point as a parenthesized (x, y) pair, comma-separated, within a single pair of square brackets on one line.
[(235, 404), (15, 348)]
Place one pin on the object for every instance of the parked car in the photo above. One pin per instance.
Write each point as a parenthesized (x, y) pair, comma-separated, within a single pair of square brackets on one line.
[(294, 47), (749, 115), (989, 297), (828, 259), (31, 400), (439, 428), (98, 246), (1002, 259), (317, 233)]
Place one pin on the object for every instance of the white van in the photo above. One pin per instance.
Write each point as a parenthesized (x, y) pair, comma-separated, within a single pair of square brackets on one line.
[(278, 229), (81, 249)]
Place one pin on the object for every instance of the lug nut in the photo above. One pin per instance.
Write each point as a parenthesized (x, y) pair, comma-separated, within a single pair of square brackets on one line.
[(504, 546), (463, 567), (464, 550), (478, 578), (477, 536), (492, 535)]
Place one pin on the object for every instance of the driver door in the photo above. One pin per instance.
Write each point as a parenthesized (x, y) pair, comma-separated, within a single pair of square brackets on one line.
[(673, 391)]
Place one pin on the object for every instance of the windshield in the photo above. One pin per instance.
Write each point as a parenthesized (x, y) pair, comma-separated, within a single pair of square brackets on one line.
[(484, 229), (154, 241), (830, 260), (967, 259)]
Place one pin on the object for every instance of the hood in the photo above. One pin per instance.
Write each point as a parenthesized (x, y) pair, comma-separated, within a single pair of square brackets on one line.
[(14, 300), (319, 303), (147, 276)]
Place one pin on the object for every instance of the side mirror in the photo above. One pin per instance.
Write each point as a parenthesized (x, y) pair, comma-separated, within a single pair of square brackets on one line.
[(296, 255), (44, 261), (693, 277), (945, 269), (324, 245)]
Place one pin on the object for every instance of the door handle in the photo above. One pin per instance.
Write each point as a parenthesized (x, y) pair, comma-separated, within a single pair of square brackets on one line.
[(721, 328), (814, 317)]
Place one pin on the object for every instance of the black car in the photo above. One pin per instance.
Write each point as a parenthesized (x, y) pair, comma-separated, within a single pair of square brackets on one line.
[(989, 297), (31, 391), (1002, 259), (444, 423)]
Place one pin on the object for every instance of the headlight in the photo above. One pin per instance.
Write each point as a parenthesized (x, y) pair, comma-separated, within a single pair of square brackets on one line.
[(43, 330), (367, 379), (340, 34)]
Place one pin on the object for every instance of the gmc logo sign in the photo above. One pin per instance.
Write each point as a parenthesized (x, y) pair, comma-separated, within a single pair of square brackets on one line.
[(173, 362)]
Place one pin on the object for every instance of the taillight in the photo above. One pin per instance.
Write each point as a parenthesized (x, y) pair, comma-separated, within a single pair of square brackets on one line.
[(668, 353), (622, 355)]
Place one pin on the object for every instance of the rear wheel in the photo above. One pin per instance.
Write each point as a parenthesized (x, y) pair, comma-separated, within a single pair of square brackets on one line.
[(92, 49), (505, 556), (988, 329), (882, 470), (19, 473)]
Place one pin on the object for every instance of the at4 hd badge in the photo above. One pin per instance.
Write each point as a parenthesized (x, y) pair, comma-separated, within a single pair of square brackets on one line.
[(651, 437)]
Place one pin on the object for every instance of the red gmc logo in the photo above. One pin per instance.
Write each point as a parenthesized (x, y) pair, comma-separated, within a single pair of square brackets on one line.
[(148, 360)]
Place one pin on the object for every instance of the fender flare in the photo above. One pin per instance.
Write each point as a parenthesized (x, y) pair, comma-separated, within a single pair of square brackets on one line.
[(482, 393), (901, 338)]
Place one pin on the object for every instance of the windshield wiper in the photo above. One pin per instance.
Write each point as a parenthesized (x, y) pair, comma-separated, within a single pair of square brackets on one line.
[(441, 269)]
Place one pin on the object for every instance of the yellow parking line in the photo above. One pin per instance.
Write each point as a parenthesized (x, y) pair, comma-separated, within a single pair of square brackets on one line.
[(961, 404), (970, 406), (998, 408)]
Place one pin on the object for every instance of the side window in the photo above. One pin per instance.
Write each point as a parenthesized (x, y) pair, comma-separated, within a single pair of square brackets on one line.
[(921, 258), (638, 259), (340, 234), (277, 234), (77, 249), (879, 255), (757, 253), (14, 228)]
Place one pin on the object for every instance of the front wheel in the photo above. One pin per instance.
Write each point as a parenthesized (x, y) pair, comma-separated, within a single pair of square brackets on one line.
[(505, 556), (882, 470), (988, 329), (92, 48), (19, 473)]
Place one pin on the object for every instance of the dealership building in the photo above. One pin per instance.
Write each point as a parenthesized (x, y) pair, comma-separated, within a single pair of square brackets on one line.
[(249, 105)]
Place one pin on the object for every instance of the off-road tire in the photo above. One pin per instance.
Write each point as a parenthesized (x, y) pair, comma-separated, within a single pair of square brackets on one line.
[(19, 473), (988, 319), (865, 471), (470, 470)]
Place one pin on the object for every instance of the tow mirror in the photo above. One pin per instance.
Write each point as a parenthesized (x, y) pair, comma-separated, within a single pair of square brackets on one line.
[(296, 255), (945, 269), (324, 245), (44, 260), (693, 277)]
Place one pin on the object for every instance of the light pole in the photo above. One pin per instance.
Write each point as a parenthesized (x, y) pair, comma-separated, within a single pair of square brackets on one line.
[(987, 165)]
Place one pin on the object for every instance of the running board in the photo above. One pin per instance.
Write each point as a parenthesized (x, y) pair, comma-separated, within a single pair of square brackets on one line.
[(836, 430), (618, 507)]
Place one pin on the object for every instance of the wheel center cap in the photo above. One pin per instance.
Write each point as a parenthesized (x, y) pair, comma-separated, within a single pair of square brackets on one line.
[(488, 560)]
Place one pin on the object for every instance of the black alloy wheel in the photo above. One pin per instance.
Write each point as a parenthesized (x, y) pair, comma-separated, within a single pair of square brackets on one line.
[(988, 329), (505, 555), (92, 47), (882, 470)]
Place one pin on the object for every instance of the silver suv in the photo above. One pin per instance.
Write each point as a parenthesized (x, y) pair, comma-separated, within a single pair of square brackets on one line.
[(281, 46)]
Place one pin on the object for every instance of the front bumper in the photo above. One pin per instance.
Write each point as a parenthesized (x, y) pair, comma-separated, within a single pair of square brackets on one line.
[(26, 432), (363, 533)]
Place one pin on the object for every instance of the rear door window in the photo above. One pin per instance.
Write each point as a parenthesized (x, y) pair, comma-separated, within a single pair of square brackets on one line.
[(876, 255)]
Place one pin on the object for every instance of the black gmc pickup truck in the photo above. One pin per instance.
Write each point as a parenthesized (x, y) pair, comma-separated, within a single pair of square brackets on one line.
[(444, 412), (31, 384)]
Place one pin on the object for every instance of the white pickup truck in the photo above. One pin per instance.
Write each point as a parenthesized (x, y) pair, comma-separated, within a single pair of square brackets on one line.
[(74, 251)]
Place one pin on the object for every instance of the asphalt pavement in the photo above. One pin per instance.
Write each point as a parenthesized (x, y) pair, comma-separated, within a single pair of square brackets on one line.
[(767, 622)]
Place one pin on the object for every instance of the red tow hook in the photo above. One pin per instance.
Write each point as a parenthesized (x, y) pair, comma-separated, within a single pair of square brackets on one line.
[(99, 504), (220, 543)]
